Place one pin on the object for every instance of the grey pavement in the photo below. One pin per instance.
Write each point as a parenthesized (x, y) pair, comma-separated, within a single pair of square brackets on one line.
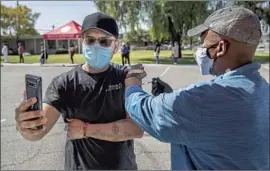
[(48, 154)]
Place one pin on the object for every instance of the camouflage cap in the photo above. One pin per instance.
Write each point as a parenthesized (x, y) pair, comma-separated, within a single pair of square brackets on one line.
[(237, 23)]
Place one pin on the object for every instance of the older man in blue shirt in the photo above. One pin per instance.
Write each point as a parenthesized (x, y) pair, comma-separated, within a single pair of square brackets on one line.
[(218, 124)]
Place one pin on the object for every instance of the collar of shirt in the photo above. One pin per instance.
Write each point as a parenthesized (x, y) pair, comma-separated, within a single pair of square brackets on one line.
[(245, 69)]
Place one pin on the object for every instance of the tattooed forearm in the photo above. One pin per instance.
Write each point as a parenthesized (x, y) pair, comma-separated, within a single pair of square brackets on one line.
[(111, 137), (115, 128), (117, 131)]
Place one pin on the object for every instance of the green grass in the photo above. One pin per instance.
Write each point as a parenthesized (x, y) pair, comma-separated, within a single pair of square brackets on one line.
[(140, 56)]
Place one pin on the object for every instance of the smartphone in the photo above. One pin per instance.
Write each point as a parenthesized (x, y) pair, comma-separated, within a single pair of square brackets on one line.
[(33, 85)]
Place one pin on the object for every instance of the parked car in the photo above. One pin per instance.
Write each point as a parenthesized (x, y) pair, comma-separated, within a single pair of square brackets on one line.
[(12, 51)]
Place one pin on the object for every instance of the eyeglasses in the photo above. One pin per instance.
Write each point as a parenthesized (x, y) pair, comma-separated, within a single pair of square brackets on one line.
[(102, 41)]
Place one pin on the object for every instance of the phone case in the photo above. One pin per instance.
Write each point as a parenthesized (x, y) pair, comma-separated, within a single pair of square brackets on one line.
[(34, 89)]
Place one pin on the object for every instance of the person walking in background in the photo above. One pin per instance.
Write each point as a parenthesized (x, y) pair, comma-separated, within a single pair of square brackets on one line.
[(20, 52), (124, 53), (5, 52), (175, 53), (44, 55), (128, 54), (157, 51), (71, 52)]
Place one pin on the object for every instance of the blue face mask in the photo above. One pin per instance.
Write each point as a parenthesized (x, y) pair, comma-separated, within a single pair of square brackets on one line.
[(96, 56)]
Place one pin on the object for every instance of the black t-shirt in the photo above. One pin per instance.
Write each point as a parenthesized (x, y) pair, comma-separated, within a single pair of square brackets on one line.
[(93, 98)]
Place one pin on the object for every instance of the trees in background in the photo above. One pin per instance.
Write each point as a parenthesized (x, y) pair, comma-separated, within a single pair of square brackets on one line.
[(138, 37), (166, 19), (18, 21), (171, 19), (163, 20), (184, 15), (128, 14), (261, 8)]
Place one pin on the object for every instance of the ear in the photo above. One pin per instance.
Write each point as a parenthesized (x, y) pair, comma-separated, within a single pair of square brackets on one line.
[(116, 46), (221, 48)]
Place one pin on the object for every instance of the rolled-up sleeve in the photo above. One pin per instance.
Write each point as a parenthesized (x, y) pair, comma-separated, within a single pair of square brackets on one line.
[(55, 95), (169, 117)]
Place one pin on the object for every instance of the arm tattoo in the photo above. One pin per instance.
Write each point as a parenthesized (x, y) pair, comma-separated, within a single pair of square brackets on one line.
[(115, 129), (116, 134)]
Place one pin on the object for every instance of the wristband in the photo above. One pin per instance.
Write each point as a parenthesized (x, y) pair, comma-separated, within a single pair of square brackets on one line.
[(85, 129)]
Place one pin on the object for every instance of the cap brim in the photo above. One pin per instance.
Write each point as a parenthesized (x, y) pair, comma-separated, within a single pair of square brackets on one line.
[(197, 30), (81, 33)]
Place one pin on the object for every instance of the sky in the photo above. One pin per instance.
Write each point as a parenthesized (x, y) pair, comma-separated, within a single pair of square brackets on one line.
[(57, 13)]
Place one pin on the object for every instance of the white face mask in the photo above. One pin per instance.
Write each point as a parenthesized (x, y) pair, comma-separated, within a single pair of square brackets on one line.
[(204, 61)]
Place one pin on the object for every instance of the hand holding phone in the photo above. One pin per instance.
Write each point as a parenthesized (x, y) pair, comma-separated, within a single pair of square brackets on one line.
[(33, 85), (29, 122)]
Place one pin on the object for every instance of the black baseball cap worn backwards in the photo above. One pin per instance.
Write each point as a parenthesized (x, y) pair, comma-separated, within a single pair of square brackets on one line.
[(101, 22)]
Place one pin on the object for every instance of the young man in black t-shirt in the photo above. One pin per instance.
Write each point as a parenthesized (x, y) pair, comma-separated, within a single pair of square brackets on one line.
[(90, 98)]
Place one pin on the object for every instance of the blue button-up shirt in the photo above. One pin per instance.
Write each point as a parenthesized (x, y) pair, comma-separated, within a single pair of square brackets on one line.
[(220, 124)]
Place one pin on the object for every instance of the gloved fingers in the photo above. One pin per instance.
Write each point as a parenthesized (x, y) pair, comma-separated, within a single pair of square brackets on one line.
[(157, 88), (168, 89), (160, 86), (161, 82)]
